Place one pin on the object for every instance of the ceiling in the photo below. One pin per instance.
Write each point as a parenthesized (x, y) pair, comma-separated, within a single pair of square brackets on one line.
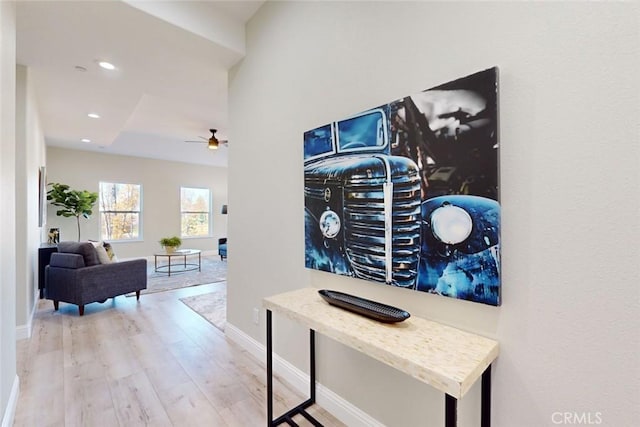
[(170, 83)]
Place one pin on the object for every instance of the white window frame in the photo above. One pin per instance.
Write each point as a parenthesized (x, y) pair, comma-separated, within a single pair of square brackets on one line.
[(139, 212), (209, 213)]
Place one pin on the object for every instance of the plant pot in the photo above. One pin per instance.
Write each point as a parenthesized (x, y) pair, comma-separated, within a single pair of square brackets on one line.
[(170, 249)]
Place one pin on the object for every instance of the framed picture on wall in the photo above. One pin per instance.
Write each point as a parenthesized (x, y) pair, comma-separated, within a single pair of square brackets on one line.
[(42, 196), (406, 193)]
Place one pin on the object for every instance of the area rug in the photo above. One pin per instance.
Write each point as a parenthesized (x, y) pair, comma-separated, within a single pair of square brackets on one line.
[(213, 270), (212, 306)]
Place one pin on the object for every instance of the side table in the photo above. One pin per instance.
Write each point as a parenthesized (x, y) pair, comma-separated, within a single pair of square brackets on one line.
[(181, 267), (44, 256)]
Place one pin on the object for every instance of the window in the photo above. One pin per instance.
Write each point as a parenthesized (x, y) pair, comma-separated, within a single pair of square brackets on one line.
[(120, 211), (194, 211)]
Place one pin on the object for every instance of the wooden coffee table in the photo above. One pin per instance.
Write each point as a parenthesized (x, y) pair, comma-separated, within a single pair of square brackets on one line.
[(179, 267)]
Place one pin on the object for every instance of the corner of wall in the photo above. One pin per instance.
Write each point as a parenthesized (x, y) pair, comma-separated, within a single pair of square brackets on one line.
[(24, 331)]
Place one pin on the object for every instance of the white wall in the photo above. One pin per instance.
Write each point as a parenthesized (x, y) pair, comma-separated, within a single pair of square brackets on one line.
[(570, 158), (8, 378), (30, 156), (160, 180)]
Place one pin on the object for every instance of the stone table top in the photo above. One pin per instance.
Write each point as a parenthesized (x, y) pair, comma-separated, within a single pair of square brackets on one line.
[(448, 359)]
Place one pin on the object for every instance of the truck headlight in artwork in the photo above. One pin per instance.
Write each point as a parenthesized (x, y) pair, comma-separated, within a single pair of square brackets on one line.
[(329, 224), (451, 224)]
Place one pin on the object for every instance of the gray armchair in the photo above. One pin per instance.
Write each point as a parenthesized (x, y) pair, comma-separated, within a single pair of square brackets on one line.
[(78, 278)]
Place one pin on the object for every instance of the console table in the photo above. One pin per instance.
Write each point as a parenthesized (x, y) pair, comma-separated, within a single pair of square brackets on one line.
[(444, 357)]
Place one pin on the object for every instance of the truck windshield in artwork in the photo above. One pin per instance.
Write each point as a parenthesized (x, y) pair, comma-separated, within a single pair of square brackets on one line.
[(362, 131), (318, 141)]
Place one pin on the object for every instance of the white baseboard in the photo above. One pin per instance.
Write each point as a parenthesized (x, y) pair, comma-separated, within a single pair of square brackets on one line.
[(23, 332), (10, 411), (330, 401)]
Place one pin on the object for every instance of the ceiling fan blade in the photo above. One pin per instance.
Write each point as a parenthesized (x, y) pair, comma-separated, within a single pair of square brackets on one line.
[(198, 142)]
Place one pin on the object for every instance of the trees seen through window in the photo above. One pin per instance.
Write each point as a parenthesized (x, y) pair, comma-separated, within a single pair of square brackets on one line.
[(195, 211), (120, 208)]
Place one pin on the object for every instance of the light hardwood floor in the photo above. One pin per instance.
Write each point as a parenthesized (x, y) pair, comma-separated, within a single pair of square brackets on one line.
[(149, 363)]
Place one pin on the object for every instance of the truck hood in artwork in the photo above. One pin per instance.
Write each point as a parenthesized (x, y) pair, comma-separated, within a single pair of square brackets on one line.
[(364, 168)]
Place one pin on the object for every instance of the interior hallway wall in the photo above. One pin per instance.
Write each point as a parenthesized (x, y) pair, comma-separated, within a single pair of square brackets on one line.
[(8, 377), (570, 158), (30, 156)]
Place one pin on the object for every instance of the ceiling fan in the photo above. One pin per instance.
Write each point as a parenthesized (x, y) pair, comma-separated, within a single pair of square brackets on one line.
[(212, 142)]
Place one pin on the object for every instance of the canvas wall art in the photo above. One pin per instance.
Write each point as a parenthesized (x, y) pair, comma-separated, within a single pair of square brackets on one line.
[(407, 193), (42, 196)]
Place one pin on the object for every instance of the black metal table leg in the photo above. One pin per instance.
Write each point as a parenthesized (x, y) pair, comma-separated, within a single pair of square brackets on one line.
[(301, 408), (485, 414), (450, 411), (312, 365), (269, 371), (451, 404)]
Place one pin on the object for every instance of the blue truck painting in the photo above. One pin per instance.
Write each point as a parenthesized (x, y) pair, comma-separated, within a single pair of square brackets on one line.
[(406, 194)]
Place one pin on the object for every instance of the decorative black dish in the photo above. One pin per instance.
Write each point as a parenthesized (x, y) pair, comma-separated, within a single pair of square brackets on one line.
[(372, 309)]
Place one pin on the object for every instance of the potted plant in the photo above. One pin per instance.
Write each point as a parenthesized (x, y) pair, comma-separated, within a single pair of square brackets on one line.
[(170, 244), (75, 203)]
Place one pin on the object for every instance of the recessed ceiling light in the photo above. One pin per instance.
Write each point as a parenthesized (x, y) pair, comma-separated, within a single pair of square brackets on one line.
[(87, 140), (107, 65), (94, 115)]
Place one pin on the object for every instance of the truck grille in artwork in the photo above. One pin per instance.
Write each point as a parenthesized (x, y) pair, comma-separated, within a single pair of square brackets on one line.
[(364, 214)]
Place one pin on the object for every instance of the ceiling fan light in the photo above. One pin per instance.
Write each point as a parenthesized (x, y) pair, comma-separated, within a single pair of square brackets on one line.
[(213, 141)]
